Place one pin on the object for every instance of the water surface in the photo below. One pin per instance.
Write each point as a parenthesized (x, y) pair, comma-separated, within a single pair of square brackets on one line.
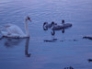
[(70, 49)]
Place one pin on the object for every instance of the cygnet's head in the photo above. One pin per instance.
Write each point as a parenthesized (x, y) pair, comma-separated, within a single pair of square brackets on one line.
[(63, 21), (52, 22)]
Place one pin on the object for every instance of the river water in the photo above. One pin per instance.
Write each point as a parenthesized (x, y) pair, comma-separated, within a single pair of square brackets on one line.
[(40, 51)]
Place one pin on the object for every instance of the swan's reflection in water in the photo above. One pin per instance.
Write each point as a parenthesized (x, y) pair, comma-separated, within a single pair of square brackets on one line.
[(11, 42), (26, 47)]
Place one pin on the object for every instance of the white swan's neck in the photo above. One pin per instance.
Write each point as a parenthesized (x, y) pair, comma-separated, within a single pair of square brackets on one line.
[(26, 28)]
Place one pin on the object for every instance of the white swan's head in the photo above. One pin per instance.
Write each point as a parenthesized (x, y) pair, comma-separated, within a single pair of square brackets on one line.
[(28, 19)]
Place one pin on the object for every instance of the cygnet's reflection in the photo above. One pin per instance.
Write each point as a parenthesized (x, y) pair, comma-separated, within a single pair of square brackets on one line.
[(11, 42), (53, 38)]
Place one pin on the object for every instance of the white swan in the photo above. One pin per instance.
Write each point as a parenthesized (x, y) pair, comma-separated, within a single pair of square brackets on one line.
[(11, 30)]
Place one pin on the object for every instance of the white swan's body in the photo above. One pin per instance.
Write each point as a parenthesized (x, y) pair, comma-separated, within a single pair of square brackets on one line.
[(11, 30)]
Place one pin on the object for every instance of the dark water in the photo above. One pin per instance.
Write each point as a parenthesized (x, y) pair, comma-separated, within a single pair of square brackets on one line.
[(69, 49)]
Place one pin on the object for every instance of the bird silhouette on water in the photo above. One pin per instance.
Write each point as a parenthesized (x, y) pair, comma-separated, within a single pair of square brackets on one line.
[(69, 67)]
